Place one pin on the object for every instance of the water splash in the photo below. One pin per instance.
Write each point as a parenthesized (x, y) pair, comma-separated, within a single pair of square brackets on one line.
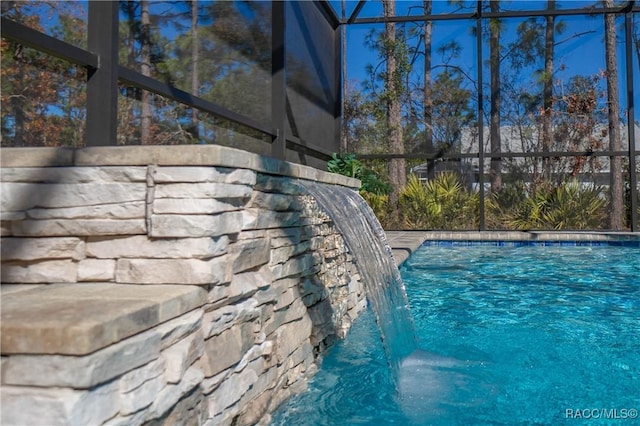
[(385, 290)]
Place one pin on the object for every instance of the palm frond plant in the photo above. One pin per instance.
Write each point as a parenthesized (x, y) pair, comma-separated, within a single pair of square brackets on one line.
[(349, 165), (440, 203), (569, 205)]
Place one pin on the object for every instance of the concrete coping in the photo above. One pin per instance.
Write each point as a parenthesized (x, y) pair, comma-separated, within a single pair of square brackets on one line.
[(166, 155), (403, 243), (78, 319)]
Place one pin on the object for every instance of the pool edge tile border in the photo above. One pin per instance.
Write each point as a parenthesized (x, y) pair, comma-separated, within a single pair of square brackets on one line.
[(404, 243)]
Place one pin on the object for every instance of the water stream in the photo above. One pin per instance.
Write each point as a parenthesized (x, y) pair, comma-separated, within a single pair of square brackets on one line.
[(385, 290)]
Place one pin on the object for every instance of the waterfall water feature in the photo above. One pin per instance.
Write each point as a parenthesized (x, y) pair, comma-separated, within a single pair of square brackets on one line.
[(425, 381), (367, 242)]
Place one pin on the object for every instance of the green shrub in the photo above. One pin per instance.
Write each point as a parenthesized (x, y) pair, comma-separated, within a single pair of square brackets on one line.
[(566, 206), (349, 165), (440, 203)]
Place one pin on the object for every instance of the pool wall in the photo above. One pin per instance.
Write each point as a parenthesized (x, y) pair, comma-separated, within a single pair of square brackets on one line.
[(150, 285), (406, 242)]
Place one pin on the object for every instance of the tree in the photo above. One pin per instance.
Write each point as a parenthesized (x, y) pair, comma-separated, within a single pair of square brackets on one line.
[(428, 93), (397, 172), (195, 81), (615, 144), (145, 69), (43, 98), (494, 121), (547, 81), (451, 109)]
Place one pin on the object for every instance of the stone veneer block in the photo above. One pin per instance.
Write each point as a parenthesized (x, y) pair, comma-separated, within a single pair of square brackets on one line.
[(96, 270), (82, 372), (41, 248), (168, 271), (78, 227), (204, 174), (139, 246), (61, 271), (194, 226), (196, 205), (24, 196), (78, 320), (74, 174), (128, 210), (51, 407)]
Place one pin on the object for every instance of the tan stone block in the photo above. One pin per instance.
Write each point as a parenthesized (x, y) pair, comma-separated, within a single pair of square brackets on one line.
[(50, 407), (202, 190), (171, 394), (82, 372), (196, 206), (185, 226), (271, 201), (226, 349), (294, 312), (140, 246), (73, 319), (138, 377), (41, 248), (244, 285), (266, 219), (141, 397), (204, 174), (174, 330), (281, 237), (73, 174), (173, 271), (25, 196), (294, 266), (78, 227), (6, 289), (231, 390), (67, 328), (181, 355), (51, 271), (250, 254), (128, 210), (225, 317), (290, 336), (96, 270)]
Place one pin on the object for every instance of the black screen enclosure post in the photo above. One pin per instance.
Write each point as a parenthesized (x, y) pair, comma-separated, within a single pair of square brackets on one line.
[(102, 83)]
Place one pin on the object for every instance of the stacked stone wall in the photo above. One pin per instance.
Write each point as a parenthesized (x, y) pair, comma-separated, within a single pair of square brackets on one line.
[(271, 285)]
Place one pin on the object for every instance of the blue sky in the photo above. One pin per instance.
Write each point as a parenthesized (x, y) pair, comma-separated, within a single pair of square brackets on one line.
[(583, 54), (579, 50)]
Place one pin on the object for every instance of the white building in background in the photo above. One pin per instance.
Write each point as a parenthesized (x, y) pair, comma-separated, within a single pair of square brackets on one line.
[(514, 140)]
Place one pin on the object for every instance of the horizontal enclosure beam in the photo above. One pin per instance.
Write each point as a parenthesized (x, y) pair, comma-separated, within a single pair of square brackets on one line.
[(328, 12), (435, 155), (29, 37), (136, 79), (486, 14), (300, 145)]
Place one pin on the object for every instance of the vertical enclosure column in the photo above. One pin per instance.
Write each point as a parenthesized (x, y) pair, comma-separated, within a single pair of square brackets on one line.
[(631, 131), (480, 114), (278, 80), (102, 84)]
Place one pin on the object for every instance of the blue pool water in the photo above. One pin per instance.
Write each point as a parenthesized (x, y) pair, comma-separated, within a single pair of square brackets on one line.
[(508, 335)]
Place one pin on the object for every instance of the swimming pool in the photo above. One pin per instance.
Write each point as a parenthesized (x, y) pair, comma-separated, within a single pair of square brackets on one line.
[(510, 335)]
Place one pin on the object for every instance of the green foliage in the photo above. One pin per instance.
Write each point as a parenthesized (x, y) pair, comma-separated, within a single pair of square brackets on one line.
[(441, 203), (569, 205), (379, 203), (349, 165), (345, 164)]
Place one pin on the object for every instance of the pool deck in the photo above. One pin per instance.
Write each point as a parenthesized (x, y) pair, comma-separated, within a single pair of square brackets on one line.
[(403, 243)]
